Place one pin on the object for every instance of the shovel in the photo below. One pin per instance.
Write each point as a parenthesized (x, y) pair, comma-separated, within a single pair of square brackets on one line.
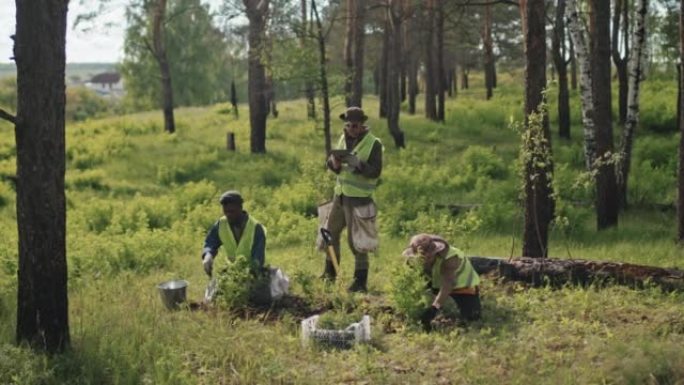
[(327, 239)]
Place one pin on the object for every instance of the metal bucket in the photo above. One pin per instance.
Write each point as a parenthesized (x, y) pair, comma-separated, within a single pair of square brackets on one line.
[(172, 293)]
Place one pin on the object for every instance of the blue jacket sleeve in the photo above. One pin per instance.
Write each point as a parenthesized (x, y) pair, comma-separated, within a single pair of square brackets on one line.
[(259, 246), (212, 242)]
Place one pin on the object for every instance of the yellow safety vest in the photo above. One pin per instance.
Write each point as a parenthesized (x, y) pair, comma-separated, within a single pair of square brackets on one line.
[(465, 275), (351, 184), (231, 248)]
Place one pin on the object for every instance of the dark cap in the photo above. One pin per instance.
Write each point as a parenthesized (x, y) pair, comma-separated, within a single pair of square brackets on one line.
[(230, 196), (354, 114)]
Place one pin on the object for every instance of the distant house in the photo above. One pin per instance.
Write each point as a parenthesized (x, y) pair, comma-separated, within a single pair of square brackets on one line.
[(106, 79)]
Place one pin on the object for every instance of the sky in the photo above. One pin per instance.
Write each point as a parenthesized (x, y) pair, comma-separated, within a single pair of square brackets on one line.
[(97, 45)]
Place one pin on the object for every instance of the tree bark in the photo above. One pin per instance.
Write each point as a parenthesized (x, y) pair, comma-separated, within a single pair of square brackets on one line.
[(359, 47), (585, 82), (159, 44), (324, 80), (411, 62), (348, 51), (558, 50), (607, 198), (39, 52), (488, 50), (632, 119), (439, 59), (233, 99), (430, 81), (538, 163), (621, 11), (382, 73), (394, 17), (258, 107), (308, 85), (573, 65), (464, 77), (560, 272), (680, 171)]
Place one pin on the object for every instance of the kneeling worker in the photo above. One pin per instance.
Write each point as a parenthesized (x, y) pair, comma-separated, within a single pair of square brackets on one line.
[(451, 275), (238, 233)]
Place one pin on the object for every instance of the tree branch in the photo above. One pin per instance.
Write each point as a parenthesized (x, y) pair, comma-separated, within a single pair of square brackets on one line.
[(7, 116)]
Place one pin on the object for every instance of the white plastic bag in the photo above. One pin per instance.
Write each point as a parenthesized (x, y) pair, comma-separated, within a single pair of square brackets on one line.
[(280, 283)]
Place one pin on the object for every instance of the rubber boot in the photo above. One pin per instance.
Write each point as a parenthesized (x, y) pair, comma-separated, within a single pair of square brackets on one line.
[(359, 284), (329, 272)]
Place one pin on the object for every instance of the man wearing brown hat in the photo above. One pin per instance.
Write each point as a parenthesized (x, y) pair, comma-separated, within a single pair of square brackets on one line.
[(451, 275), (357, 161)]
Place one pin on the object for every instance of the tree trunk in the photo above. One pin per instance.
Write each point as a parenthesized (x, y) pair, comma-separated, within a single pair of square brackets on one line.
[(464, 77), (538, 163), (394, 17), (258, 107), (233, 99), (324, 80), (635, 74), (488, 50), (430, 81), (359, 46), (621, 10), (586, 97), (558, 50), (573, 65), (439, 68), (607, 199), (308, 85), (410, 62), (561, 272), (159, 51), (680, 196), (39, 52), (382, 75), (348, 51)]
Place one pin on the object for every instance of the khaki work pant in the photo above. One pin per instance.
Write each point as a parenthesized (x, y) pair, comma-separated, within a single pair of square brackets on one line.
[(359, 220)]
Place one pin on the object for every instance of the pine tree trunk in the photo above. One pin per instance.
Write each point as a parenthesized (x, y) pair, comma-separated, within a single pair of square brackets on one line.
[(430, 81), (159, 43), (488, 50), (607, 197), (359, 46), (258, 107), (394, 20), (233, 99), (558, 52), (680, 189), (39, 52), (573, 65), (538, 193), (324, 79), (632, 121), (382, 73), (464, 78), (439, 70), (348, 51), (410, 62), (308, 85)]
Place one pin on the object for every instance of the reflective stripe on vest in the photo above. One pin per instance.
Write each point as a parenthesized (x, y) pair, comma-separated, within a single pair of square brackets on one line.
[(231, 249), (465, 275), (351, 184)]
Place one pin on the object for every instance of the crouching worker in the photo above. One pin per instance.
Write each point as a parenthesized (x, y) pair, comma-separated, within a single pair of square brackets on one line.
[(451, 275), (237, 233)]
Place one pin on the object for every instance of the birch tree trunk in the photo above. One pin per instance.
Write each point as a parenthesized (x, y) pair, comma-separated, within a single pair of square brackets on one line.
[(621, 12), (585, 82), (632, 119)]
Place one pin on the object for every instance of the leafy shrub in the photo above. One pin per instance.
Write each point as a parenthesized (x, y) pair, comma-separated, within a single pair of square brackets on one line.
[(235, 284), (335, 319), (482, 161), (8, 93), (83, 103), (409, 290)]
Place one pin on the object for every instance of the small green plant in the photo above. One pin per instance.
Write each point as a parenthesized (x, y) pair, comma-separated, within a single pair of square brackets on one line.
[(239, 283), (409, 290), (335, 319)]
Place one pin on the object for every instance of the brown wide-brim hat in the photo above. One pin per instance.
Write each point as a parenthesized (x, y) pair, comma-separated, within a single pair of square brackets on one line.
[(354, 114), (434, 243)]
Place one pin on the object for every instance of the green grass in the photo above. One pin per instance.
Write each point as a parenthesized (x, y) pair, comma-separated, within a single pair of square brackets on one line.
[(140, 202)]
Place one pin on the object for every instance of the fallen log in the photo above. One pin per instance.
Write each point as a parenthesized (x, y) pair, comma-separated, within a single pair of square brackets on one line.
[(560, 272)]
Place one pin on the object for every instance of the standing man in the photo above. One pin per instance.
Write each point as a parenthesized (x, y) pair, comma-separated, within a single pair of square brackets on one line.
[(357, 162), (238, 233), (451, 275)]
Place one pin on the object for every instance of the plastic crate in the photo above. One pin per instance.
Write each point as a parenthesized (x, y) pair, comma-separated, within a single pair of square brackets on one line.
[(357, 332)]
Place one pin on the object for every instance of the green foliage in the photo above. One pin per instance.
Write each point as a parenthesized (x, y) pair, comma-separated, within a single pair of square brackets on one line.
[(481, 161), (409, 291), (335, 320), (237, 283), (8, 93), (82, 104), (20, 366)]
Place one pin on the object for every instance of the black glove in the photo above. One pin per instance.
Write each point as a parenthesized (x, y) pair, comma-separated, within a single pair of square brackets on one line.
[(426, 318)]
